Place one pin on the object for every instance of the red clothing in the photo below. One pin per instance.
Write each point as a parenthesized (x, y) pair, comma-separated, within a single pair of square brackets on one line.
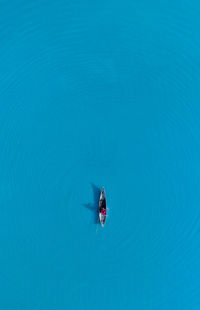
[(103, 212)]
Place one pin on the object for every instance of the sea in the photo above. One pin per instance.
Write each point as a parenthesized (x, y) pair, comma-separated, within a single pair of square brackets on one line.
[(93, 94)]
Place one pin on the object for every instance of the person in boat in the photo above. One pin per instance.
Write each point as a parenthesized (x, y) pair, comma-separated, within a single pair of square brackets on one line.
[(103, 212)]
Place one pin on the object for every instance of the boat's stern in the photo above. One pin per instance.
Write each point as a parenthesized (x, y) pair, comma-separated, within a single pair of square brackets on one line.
[(102, 219)]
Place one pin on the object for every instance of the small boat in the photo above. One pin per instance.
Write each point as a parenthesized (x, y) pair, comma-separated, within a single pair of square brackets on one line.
[(102, 207)]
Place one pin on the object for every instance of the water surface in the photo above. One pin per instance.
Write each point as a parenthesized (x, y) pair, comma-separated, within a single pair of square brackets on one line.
[(99, 94)]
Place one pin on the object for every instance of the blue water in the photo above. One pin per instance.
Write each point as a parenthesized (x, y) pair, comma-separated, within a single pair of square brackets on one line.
[(99, 94)]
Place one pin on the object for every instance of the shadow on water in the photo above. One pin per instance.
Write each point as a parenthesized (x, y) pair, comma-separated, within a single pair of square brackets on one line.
[(94, 205)]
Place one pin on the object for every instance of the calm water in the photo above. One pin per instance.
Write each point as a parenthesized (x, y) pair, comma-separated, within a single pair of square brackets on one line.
[(99, 94)]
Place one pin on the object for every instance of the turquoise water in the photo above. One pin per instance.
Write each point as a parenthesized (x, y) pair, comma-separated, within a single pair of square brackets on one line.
[(99, 94)]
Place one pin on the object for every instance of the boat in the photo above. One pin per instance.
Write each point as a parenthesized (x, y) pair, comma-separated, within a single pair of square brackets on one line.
[(102, 207)]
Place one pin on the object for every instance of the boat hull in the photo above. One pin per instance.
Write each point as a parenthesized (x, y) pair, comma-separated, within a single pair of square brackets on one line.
[(102, 205)]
